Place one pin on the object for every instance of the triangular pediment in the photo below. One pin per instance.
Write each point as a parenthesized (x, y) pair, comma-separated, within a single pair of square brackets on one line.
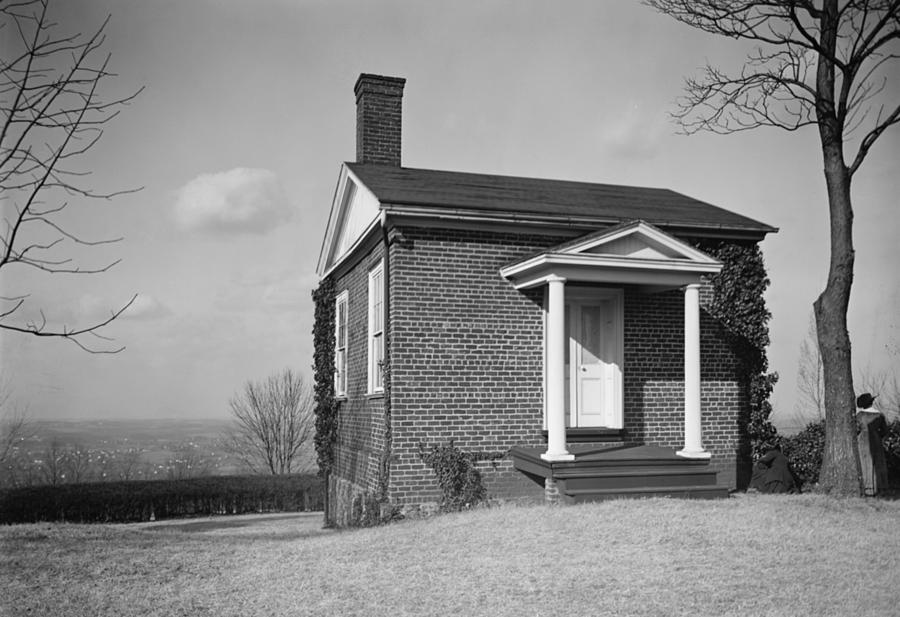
[(354, 212), (634, 240), (634, 253)]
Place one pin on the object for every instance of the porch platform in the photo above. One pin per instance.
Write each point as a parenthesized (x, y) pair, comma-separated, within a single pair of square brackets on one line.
[(600, 473)]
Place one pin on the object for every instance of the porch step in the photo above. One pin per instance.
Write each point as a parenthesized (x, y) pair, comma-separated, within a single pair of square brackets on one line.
[(587, 495), (627, 477), (595, 474)]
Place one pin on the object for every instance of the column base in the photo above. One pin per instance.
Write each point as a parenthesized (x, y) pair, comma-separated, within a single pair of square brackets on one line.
[(698, 454), (565, 456)]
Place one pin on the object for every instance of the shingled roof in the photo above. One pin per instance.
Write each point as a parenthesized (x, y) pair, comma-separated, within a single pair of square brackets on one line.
[(555, 199)]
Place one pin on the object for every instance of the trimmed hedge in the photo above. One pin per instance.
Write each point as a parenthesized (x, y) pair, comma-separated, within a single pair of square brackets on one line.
[(144, 500)]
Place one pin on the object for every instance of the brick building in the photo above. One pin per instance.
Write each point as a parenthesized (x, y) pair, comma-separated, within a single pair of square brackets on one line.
[(558, 325)]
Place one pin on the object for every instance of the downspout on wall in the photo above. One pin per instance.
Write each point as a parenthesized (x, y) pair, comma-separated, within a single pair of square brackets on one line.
[(385, 463)]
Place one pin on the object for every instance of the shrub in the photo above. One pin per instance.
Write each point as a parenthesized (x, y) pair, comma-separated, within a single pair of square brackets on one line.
[(459, 480), (804, 452), (892, 452), (366, 511)]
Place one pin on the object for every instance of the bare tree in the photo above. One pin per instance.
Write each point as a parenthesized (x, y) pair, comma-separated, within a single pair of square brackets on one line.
[(187, 462), (273, 422), (19, 470), (124, 464), (810, 381), (822, 63), (52, 114), (78, 464), (51, 463), (886, 387), (14, 425)]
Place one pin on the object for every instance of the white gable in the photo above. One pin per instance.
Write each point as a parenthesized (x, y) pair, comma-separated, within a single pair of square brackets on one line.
[(354, 211), (635, 253), (637, 240), (636, 247)]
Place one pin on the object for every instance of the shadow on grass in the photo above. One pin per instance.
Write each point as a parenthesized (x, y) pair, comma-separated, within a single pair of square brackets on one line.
[(305, 521)]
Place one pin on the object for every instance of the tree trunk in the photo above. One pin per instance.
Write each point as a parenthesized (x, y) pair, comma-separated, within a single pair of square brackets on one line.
[(840, 462), (840, 473)]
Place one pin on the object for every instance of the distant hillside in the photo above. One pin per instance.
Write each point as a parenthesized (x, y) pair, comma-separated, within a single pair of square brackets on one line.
[(134, 433), (60, 452)]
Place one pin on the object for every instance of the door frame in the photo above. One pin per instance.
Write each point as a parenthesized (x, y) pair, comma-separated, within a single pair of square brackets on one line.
[(581, 295)]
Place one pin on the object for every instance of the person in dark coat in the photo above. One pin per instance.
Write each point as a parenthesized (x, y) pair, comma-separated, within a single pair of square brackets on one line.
[(771, 473), (872, 429)]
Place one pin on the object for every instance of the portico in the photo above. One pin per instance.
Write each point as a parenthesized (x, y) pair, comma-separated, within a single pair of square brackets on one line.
[(583, 281)]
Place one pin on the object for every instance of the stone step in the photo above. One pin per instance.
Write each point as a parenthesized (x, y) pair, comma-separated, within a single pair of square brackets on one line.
[(636, 477), (681, 492)]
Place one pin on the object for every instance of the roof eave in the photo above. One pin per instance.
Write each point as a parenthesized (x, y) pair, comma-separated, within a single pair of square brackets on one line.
[(443, 212)]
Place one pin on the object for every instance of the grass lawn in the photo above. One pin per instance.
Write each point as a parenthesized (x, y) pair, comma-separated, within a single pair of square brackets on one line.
[(750, 556)]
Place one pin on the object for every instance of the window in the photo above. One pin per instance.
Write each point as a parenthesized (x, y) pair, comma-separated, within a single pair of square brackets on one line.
[(376, 328), (340, 344)]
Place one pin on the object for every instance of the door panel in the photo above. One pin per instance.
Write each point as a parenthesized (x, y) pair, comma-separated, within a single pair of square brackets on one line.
[(590, 365), (593, 367)]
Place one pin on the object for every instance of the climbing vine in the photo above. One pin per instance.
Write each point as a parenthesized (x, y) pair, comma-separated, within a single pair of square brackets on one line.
[(460, 481), (323, 374), (738, 304)]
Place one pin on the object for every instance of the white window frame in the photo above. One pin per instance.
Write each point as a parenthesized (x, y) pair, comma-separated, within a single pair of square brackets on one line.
[(376, 329), (340, 346)]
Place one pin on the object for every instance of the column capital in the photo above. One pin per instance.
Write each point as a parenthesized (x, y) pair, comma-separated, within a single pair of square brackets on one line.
[(692, 286), (555, 278)]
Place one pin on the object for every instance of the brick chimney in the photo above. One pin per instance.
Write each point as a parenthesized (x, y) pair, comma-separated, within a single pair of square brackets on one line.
[(378, 119)]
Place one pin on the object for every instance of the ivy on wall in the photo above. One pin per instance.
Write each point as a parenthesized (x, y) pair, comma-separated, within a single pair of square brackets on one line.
[(738, 304), (323, 375), (365, 509), (460, 481)]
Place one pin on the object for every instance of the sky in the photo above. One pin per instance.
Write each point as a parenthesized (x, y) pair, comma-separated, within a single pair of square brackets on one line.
[(248, 111)]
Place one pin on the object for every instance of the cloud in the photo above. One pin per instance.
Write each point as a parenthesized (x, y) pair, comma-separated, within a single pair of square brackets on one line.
[(146, 307), (633, 132), (237, 201), (92, 308)]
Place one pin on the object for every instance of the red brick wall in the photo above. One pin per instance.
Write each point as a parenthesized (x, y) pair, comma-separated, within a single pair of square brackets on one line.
[(654, 380), (379, 121), (360, 438), (466, 355)]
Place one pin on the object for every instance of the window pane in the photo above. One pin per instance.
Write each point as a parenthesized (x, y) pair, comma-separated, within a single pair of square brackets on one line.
[(340, 345), (378, 352), (377, 301), (342, 324), (376, 327)]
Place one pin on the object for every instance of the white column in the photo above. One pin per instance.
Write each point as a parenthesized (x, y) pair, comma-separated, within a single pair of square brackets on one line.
[(693, 440), (556, 377)]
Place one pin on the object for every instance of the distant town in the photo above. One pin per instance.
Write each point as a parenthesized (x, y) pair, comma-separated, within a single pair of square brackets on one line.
[(69, 452)]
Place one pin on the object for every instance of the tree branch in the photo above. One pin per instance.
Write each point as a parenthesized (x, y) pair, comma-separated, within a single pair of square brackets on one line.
[(872, 136), (71, 335), (52, 114)]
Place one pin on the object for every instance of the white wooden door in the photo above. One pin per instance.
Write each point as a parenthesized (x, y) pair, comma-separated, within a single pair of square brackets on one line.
[(594, 366)]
